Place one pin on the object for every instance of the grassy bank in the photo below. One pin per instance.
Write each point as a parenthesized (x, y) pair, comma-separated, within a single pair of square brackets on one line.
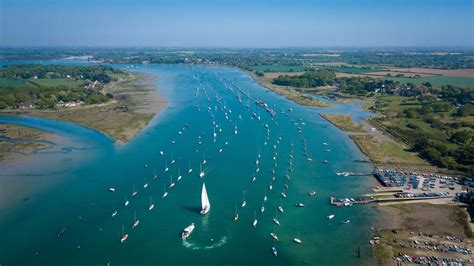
[(344, 122), (293, 94), (381, 150)]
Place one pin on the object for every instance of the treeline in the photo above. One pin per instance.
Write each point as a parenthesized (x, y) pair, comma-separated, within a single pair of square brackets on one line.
[(362, 86), (447, 59), (46, 95), (420, 58), (102, 74), (309, 79), (453, 148)]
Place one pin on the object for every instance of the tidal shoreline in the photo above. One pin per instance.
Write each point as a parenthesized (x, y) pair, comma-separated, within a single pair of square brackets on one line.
[(290, 94), (136, 101)]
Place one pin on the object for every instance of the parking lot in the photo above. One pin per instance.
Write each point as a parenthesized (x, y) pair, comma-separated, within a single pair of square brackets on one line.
[(418, 183)]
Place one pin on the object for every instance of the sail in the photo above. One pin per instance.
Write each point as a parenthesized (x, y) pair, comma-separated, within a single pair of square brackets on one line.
[(204, 198)]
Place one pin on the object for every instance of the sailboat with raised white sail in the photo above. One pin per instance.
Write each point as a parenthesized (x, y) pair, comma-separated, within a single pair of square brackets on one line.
[(206, 205)]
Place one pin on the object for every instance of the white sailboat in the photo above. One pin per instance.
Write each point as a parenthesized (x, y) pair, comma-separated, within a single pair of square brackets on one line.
[(243, 200), (151, 205), (298, 239), (126, 202), (179, 175), (255, 221), (205, 204), (280, 208), (165, 193), (134, 192), (136, 222), (154, 174), (274, 236), (190, 169), (124, 236), (172, 184), (275, 220), (201, 172)]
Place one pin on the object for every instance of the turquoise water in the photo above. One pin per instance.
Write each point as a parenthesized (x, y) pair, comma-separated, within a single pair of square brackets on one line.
[(76, 198)]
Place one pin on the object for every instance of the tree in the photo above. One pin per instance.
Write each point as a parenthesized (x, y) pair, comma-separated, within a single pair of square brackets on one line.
[(465, 110), (462, 137), (259, 73)]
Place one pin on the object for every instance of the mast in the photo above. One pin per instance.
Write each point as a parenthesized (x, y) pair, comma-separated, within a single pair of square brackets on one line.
[(205, 204)]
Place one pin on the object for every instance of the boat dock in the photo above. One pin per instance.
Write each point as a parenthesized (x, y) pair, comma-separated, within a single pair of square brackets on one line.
[(367, 199)]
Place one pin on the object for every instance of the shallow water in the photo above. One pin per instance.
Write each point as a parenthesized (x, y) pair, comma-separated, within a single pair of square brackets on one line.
[(77, 198)]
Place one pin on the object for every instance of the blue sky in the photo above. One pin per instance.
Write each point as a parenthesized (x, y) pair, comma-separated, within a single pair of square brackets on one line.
[(207, 23)]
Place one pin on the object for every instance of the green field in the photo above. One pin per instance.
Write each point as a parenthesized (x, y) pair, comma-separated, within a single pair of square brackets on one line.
[(13, 83), (57, 82), (438, 80), (354, 70), (436, 127), (40, 82), (277, 68)]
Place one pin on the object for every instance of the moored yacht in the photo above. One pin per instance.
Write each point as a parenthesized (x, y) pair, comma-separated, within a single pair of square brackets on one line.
[(274, 251), (151, 205), (136, 222), (165, 193), (243, 200), (255, 221), (124, 236), (274, 236)]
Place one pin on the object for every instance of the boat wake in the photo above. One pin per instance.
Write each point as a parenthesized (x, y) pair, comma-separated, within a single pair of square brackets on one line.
[(194, 246)]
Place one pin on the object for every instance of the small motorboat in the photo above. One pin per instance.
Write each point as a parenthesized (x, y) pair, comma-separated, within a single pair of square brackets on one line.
[(330, 217), (112, 189), (345, 222), (299, 205), (187, 231)]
